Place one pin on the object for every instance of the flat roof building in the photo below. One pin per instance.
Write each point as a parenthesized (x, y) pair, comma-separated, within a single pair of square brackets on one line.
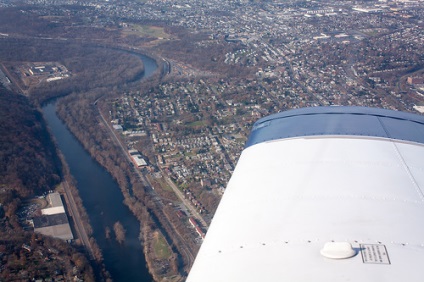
[(55, 225), (55, 200), (137, 158), (54, 210), (54, 221)]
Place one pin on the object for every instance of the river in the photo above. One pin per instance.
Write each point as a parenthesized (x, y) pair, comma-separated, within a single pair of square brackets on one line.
[(103, 200)]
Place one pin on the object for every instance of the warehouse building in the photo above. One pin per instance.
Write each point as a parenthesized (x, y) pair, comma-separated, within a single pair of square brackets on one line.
[(54, 221), (137, 158)]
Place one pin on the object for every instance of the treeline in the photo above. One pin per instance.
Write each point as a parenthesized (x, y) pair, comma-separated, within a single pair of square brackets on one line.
[(96, 252)]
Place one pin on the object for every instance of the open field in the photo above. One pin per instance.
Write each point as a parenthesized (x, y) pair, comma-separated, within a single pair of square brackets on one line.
[(161, 247), (146, 31), (160, 182)]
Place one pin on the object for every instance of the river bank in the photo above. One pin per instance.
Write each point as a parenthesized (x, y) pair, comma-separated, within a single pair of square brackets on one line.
[(104, 204), (133, 194)]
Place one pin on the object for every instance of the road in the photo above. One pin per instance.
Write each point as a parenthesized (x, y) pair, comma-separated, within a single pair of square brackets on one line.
[(184, 248), (13, 81), (74, 212), (177, 191), (186, 202)]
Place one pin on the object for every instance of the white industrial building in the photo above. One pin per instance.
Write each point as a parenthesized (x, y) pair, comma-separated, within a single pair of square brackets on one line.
[(54, 221), (137, 158)]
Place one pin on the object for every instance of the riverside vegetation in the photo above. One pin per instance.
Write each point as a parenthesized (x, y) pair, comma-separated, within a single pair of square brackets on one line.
[(96, 71)]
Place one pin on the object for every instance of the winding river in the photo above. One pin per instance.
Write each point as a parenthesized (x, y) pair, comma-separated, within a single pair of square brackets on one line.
[(103, 200)]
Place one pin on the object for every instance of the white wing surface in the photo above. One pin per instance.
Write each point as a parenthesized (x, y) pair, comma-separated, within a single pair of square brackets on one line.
[(322, 194)]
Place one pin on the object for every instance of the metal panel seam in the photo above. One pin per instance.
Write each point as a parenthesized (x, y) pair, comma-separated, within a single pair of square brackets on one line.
[(404, 165)]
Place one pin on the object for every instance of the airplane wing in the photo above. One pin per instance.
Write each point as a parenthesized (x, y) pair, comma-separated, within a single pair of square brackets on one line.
[(322, 194)]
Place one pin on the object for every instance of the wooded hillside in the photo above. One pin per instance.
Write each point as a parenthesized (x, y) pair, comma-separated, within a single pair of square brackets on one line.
[(29, 166), (28, 163)]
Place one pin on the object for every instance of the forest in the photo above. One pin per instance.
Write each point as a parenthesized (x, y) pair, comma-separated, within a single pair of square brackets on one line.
[(91, 66), (30, 166)]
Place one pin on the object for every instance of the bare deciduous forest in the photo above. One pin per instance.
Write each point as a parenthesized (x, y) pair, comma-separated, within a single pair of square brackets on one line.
[(29, 166)]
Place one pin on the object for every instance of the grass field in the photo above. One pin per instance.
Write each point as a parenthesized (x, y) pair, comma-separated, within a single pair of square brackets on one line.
[(198, 123), (146, 31), (161, 247), (164, 185), (161, 182)]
